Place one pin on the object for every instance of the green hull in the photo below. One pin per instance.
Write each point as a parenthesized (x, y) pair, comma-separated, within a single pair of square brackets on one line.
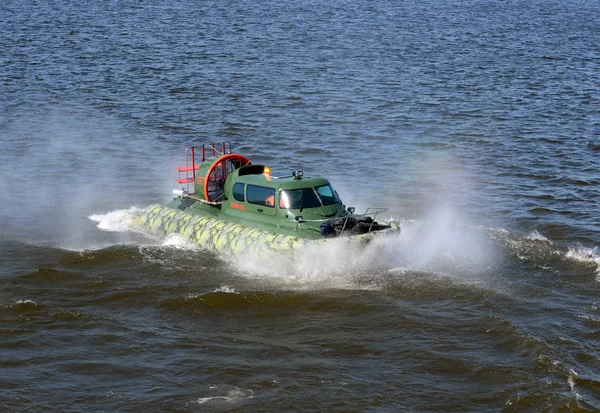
[(231, 239)]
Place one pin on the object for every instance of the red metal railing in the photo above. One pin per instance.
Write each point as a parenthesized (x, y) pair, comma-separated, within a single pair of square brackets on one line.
[(187, 174)]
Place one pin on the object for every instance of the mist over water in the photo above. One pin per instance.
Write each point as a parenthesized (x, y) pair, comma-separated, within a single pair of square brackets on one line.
[(61, 167), (475, 123)]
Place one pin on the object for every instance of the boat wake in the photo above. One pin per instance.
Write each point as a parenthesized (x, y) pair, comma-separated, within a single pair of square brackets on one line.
[(118, 221), (439, 247), (126, 221), (537, 251), (464, 253)]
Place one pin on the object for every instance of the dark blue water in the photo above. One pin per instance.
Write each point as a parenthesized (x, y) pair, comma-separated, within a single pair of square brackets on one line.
[(476, 123)]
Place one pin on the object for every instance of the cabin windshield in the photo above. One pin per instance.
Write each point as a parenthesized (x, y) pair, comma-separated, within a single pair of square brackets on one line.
[(327, 195), (307, 197)]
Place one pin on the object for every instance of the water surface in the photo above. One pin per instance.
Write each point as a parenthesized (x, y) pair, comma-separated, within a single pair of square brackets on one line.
[(477, 124)]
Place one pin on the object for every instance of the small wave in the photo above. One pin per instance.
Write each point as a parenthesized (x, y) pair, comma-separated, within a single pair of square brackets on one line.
[(545, 211), (20, 305), (581, 253), (221, 289), (233, 395), (582, 183), (542, 197), (25, 302), (536, 248), (546, 57), (178, 90), (571, 377), (594, 146), (536, 236), (586, 255), (263, 302), (591, 322), (438, 145), (120, 220), (225, 289), (219, 300), (312, 151), (203, 400)]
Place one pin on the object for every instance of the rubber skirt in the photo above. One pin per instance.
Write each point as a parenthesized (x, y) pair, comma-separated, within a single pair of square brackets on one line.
[(232, 239)]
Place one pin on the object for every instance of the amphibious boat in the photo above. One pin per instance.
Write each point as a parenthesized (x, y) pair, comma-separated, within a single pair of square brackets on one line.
[(230, 206)]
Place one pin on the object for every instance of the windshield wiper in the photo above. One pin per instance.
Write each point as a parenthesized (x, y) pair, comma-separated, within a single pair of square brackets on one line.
[(302, 201)]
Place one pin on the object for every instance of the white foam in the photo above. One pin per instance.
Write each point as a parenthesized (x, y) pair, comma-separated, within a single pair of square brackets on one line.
[(536, 236), (581, 253), (25, 302), (17, 303), (177, 241), (439, 247), (232, 395), (192, 296), (571, 376), (494, 229), (203, 400), (585, 254), (221, 289), (120, 220), (225, 289), (334, 265)]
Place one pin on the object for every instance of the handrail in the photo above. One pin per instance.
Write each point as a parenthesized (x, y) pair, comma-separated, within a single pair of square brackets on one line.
[(223, 150), (378, 210), (191, 166), (345, 218)]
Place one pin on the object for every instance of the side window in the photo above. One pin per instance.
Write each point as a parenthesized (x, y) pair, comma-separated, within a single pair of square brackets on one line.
[(238, 192), (261, 195)]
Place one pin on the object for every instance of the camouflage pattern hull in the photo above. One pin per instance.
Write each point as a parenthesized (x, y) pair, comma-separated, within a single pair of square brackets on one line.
[(231, 239)]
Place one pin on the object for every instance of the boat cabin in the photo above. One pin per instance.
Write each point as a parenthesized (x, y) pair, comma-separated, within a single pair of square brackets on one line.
[(229, 186), (252, 189)]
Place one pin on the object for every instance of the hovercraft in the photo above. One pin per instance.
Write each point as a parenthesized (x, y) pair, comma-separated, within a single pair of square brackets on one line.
[(230, 206)]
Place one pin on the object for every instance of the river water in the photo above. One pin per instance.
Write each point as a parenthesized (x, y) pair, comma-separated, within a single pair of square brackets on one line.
[(476, 123)]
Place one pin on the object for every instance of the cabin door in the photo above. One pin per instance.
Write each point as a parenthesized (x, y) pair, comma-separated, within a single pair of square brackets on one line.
[(260, 200)]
